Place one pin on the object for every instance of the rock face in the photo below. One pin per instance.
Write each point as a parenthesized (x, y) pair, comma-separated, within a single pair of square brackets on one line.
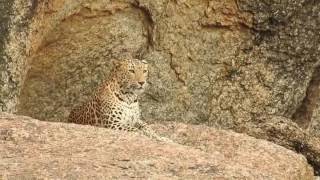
[(314, 127), (284, 132), (227, 63), (222, 62), (34, 149), (308, 115), (15, 17)]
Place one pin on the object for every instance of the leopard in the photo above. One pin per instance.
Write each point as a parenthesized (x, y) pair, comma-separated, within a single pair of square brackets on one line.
[(114, 104)]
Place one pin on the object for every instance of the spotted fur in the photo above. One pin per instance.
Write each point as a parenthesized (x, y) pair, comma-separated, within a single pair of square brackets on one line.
[(115, 103)]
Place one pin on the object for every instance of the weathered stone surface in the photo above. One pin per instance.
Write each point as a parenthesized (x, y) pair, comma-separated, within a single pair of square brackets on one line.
[(223, 63), (284, 132), (314, 127), (34, 149), (311, 106), (14, 17), (220, 62)]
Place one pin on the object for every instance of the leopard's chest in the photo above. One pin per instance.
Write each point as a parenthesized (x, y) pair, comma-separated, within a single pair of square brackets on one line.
[(126, 113)]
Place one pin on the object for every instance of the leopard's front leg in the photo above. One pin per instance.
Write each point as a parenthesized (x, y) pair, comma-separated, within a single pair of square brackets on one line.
[(149, 132)]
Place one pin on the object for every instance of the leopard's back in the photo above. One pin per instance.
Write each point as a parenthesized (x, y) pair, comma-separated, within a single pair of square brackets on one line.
[(87, 113)]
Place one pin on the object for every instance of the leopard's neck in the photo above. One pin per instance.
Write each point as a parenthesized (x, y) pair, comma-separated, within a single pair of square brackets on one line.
[(129, 98), (113, 88)]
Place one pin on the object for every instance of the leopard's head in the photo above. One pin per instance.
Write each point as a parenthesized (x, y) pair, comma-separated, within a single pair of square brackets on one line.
[(131, 75)]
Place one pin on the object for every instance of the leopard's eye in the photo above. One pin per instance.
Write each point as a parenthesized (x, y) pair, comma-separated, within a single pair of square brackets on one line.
[(132, 71), (145, 71)]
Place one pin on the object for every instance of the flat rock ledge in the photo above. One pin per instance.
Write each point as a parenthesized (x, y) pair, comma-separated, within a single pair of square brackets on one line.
[(44, 150)]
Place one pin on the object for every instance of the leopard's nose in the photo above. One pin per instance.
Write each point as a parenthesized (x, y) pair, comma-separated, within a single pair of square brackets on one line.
[(141, 83)]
